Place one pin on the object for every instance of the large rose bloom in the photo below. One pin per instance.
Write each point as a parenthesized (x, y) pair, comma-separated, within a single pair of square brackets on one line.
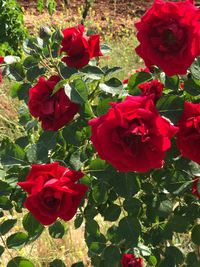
[(53, 192), (169, 36), (132, 136), (188, 137)]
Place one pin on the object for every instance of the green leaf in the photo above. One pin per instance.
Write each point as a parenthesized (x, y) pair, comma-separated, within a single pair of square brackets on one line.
[(112, 256), (152, 261), (105, 49), (59, 85), (57, 230), (20, 262), (178, 224), (92, 227), (93, 72), (5, 203), (126, 185), (174, 255), (16, 72), (75, 160), (103, 106), (7, 225), (113, 86), (192, 260), (30, 62), (170, 106), (5, 188), (172, 82), (195, 68), (192, 87), (34, 72), (77, 91), (57, 263), (17, 240), (196, 234), (65, 71), (112, 212), (11, 153), (78, 221), (23, 92), (78, 264), (2, 249), (165, 208), (14, 89), (111, 71), (32, 226), (46, 142), (129, 229), (132, 206), (136, 79), (100, 193), (98, 164)]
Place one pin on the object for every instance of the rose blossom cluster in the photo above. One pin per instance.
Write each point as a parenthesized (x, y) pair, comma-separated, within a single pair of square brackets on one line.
[(132, 136)]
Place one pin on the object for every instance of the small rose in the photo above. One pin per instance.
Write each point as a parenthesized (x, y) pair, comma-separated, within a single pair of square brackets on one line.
[(129, 260), (54, 111), (78, 47)]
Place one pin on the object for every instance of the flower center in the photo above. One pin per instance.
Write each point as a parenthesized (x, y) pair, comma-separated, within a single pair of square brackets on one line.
[(168, 38), (135, 134), (51, 202)]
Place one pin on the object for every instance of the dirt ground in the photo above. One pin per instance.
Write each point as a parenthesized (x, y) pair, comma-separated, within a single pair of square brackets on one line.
[(113, 15)]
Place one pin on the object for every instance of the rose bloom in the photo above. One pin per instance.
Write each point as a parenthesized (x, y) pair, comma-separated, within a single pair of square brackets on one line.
[(53, 192), (54, 111), (1, 61), (79, 47), (132, 136), (188, 137), (153, 88), (169, 36), (196, 187), (129, 260)]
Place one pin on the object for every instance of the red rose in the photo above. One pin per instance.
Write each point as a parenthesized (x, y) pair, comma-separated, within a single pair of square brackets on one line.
[(54, 111), (1, 59), (153, 88), (188, 137), (196, 187), (132, 136), (78, 47), (53, 192), (129, 260), (169, 36)]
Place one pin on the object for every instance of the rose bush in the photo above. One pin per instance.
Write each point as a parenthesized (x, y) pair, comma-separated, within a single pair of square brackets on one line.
[(145, 210), (169, 36)]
